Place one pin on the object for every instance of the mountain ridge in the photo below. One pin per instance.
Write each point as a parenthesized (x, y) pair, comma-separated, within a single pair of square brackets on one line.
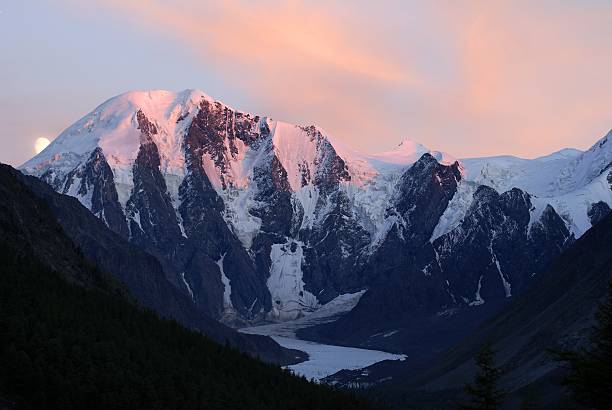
[(256, 219)]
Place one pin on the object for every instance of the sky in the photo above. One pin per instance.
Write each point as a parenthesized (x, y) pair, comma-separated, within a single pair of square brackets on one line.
[(471, 78)]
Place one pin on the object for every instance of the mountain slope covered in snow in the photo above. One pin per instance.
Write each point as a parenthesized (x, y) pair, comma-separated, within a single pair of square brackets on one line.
[(257, 219), (569, 180)]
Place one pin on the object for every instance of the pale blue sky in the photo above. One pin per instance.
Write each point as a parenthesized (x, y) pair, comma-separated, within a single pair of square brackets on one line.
[(57, 65), (483, 78)]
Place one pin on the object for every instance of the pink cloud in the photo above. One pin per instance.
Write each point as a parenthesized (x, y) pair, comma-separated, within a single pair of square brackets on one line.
[(472, 78), (276, 36), (530, 78)]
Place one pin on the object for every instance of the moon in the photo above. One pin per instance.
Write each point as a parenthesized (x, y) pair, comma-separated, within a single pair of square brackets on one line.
[(41, 143)]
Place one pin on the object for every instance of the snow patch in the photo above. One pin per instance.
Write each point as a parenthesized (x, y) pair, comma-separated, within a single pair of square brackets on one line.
[(173, 182), (308, 197), (238, 203), (478, 299), (505, 283), (391, 333), (75, 191), (227, 287), (456, 210), (187, 285)]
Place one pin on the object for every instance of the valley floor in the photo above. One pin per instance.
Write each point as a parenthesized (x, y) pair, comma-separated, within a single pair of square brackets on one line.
[(324, 360)]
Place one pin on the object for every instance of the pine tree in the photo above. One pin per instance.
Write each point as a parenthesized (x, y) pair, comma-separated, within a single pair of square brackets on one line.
[(484, 391), (590, 370)]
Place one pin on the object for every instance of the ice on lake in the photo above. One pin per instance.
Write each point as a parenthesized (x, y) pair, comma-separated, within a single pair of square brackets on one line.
[(325, 360)]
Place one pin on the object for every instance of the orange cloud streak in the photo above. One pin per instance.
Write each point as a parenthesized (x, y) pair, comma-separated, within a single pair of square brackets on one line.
[(533, 78), (517, 77), (287, 34)]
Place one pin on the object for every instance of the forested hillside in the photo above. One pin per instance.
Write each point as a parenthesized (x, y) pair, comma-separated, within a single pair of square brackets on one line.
[(64, 346), (72, 337)]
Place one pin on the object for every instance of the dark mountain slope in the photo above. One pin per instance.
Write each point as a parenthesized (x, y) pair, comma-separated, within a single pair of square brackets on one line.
[(556, 312), (436, 293), (69, 337), (66, 346), (255, 219), (44, 215), (29, 226)]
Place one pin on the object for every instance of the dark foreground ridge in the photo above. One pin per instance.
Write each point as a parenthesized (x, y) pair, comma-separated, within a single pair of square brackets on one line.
[(69, 337), (141, 273)]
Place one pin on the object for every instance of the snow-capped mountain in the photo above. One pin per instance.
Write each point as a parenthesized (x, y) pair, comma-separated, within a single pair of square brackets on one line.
[(570, 180), (255, 218)]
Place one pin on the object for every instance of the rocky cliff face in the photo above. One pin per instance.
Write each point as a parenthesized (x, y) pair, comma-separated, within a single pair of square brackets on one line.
[(556, 312), (426, 292), (253, 218)]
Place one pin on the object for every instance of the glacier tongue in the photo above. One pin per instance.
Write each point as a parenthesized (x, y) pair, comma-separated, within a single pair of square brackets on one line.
[(327, 313), (294, 193), (286, 285)]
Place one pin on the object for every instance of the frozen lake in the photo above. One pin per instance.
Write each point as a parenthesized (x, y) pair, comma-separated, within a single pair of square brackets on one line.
[(324, 360)]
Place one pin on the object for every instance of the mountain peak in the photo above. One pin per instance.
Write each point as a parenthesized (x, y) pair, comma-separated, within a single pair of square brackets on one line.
[(408, 152), (410, 146)]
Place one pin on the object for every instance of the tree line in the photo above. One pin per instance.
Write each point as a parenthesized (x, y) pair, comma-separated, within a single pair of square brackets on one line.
[(66, 347)]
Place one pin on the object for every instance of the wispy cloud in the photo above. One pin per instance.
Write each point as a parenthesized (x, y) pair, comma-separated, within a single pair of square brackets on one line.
[(472, 78), (534, 74), (302, 62), (276, 36)]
